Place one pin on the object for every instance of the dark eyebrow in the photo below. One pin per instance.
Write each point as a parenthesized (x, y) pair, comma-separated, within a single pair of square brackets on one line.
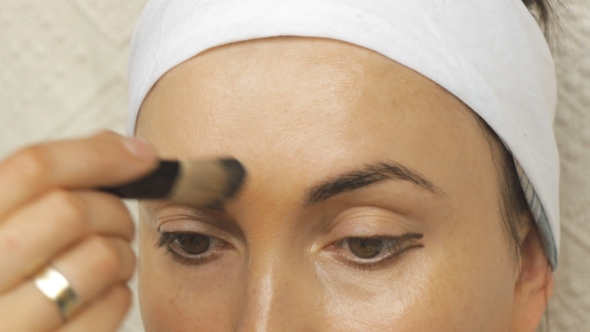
[(368, 175)]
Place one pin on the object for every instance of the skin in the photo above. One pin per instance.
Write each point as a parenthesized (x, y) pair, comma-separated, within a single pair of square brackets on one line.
[(301, 111)]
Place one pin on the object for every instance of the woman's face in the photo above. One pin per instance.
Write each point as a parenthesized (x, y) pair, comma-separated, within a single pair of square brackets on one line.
[(371, 202)]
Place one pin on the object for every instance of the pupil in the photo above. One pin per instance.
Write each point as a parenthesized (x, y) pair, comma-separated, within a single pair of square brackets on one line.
[(365, 248), (194, 244)]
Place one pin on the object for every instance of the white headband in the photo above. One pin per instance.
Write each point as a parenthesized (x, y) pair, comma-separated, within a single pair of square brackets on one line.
[(491, 54)]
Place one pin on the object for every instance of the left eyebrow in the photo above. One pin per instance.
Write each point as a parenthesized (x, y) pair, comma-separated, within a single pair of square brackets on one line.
[(366, 176)]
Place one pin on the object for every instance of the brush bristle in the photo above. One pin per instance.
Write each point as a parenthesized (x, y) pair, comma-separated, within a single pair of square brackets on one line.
[(235, 175), (208, 183)]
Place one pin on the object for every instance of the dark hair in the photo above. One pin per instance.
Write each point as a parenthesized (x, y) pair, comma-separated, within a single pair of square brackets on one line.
[(514, 208), (545, 11), (513, 205), (542, 8)]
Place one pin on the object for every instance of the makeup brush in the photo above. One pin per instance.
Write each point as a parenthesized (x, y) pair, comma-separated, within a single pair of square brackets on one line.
[(202, 183)]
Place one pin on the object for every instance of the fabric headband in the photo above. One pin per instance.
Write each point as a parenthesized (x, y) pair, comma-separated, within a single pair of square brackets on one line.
[(491, 54)]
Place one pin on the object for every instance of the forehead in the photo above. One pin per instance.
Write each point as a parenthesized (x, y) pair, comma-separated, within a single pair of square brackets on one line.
[(306, 108)]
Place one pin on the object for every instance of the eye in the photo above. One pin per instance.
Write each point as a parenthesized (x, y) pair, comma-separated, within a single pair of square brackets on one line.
[(365, 247), (370, 252), (191, 248), (194, 244)]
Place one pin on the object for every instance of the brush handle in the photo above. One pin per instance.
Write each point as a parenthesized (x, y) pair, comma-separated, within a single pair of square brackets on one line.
[(156, 185)]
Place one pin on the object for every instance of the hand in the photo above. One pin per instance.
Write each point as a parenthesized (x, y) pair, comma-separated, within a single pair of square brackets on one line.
[(50, 215)]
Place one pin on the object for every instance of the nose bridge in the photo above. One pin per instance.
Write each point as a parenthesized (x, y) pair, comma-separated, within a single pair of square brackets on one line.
[(261, 300), (277, 276), (273, 296), (264, 288)]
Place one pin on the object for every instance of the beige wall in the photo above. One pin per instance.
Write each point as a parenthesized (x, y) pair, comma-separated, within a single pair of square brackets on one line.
[(63, 74)]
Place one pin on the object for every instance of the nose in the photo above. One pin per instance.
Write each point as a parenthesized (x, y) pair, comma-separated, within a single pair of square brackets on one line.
[(279, 295)]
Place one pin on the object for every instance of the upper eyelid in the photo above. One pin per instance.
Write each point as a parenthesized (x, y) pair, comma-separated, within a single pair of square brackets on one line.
[(163, 211), (401, 239), (167, 216), (371, 218), (161, 206), (190, 226), (218, 220)]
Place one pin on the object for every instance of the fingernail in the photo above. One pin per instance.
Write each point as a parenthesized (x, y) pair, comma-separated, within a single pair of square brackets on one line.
[(140, 148)]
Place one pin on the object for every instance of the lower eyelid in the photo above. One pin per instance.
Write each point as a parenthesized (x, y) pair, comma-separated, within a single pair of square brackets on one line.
[(377, 262), (204, 258), (187, 259)]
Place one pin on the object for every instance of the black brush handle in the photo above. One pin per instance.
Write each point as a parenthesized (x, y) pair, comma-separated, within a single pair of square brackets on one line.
[(156, 185)]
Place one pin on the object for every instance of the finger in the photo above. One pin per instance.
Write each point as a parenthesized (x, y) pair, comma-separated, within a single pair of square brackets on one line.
[(95, 264), (43, 314), (101, 160), (26, 309), (41, 230), (103, 315), (91, 268)]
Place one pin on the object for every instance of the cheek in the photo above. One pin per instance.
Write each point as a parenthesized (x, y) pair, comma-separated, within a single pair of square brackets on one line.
[(382, 300), (457, 283), (471, 279)]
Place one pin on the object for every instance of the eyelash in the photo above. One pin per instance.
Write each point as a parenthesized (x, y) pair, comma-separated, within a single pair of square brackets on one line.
[(394, 247), (167, 239)]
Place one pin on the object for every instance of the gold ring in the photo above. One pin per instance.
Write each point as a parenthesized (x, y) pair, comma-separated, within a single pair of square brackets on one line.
[(57, 288)]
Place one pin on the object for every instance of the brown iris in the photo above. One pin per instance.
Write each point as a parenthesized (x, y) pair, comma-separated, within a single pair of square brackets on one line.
[(365, 247), (194, 244)]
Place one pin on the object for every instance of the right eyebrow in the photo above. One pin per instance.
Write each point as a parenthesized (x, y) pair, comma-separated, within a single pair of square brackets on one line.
[(368, 175)]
